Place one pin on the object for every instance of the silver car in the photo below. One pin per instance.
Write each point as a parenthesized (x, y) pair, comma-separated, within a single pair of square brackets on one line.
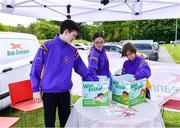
[(148, 49), (112, 47)]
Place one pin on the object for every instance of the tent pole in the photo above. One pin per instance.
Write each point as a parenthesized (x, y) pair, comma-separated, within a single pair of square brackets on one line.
[(176, 30), (68, 11)]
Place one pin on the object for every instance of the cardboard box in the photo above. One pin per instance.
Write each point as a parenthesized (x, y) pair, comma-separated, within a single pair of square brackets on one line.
[(95, 93), (128, 93)]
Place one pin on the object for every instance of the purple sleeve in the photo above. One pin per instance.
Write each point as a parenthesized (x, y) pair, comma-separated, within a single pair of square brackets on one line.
[(143, 71), (93, 67), (93, 63), (81, 68), (36, 70), (124, 69)]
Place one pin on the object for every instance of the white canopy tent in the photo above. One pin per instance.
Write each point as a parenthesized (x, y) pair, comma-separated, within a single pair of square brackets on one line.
[(93, 10)]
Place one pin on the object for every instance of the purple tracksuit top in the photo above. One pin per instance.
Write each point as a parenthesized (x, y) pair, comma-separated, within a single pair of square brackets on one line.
[(98, 63), (138, 67), (58, 59)]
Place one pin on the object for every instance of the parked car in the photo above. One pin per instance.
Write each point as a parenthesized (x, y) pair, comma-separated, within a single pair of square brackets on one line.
[(162, 42), (141, 51), (81, 46), (17, 51), (112, 48), (118, 48), (148, 49), (121, 42), (175, 42)]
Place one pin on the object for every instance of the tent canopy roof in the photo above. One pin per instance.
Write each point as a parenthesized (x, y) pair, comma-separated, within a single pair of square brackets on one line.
[(93, 10)]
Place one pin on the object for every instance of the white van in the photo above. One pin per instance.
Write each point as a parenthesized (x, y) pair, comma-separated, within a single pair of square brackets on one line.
[(17, 51)]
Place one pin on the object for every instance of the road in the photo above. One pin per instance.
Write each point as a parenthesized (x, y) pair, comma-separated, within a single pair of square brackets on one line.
[(164, 55)]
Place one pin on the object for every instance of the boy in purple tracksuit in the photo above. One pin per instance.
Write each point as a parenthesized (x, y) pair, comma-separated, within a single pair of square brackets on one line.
[(135, 65), (57, 57), (98, 61)]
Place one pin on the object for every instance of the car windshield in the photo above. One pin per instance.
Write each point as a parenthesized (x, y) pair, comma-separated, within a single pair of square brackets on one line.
[(115, 49), (112, 48), (143, 46)]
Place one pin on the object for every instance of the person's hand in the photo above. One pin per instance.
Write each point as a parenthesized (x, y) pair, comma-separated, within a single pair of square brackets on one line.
[(37, 97)]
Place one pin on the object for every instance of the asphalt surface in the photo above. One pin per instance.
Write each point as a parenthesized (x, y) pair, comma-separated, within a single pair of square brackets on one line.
[(164, 55)]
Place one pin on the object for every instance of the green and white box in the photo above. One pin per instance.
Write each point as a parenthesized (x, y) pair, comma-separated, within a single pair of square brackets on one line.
[(128, 93), (95, 93)]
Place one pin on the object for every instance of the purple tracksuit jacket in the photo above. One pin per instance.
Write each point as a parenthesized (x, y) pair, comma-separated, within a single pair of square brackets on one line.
[(58, 58), (138, 67), (98, 63)]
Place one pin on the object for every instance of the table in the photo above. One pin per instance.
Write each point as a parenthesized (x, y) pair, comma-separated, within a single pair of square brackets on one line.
[(145, 115)]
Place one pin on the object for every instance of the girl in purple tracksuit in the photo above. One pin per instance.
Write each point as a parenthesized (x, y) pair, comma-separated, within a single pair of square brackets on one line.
[(98, 61), (135, 65), (57, 57)]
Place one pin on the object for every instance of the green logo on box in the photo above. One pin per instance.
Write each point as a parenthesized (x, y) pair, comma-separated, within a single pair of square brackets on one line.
[(128, 93)]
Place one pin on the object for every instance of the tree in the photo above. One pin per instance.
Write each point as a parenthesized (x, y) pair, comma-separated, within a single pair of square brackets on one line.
[(44, 29), (3, 27)]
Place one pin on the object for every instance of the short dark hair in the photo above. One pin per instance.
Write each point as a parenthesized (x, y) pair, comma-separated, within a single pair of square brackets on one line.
[(128, 47), (70, 25), (100, 94), (124, 92), (96, 35)]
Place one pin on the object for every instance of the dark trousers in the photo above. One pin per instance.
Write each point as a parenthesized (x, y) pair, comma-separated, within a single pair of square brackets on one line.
[(53, 100), (148, 94)]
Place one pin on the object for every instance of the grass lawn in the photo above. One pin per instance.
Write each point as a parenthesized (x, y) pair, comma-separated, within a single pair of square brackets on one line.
[(174, 51), (36, 118), (171, 119)]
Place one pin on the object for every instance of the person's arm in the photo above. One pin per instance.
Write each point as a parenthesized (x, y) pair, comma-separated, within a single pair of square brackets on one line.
[(124, 68), (81, 68), (144, 71), (36, 71), (93, 66)]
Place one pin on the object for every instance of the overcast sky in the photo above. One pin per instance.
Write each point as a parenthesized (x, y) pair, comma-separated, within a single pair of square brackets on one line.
[(13, 20)]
